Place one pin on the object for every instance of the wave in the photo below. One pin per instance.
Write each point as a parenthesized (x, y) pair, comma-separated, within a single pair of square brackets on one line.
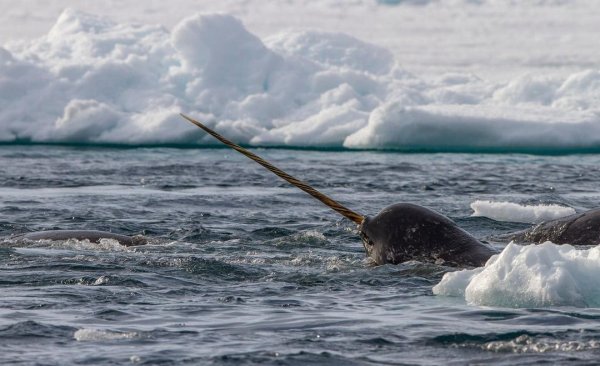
[(88, 334), (90, 80)]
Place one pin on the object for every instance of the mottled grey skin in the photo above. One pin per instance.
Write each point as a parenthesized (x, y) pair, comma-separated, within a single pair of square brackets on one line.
[(578, 229), (405, 231), (93, 236)]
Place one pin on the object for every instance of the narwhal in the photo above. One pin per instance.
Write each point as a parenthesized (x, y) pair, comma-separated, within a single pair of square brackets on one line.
[(400, 232), (577, 229)]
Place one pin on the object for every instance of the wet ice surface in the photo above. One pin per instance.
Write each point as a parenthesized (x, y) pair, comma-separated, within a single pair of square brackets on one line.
[(244, 269)]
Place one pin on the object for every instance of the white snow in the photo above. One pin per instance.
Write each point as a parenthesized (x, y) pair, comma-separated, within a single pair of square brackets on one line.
[(514, 212), (530, 276), (457, 75)]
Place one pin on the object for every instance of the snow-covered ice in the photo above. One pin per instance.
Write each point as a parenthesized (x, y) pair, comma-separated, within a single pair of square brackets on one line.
[(458, 75), (514, 212), (530, 276)]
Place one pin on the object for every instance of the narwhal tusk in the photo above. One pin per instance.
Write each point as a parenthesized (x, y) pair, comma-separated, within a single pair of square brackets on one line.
[(336, 206)]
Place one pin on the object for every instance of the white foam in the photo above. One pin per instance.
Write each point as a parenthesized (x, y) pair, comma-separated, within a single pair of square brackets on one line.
[(65, 247), (530, 276), (93, 80), (528, 344), (102, 280), (104, 244), (90, 334), (514, 212)]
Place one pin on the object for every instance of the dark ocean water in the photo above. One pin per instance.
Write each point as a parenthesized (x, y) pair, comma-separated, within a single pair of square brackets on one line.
[(244, 269)]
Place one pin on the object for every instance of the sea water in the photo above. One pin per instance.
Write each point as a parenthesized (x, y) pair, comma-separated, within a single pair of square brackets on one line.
[(242, 268)]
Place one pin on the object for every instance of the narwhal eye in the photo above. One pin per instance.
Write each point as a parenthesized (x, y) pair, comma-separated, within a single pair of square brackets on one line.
[(366, 239)]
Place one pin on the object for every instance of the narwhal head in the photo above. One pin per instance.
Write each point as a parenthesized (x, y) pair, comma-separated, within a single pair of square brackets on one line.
[(405, 231), (402, 232)]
